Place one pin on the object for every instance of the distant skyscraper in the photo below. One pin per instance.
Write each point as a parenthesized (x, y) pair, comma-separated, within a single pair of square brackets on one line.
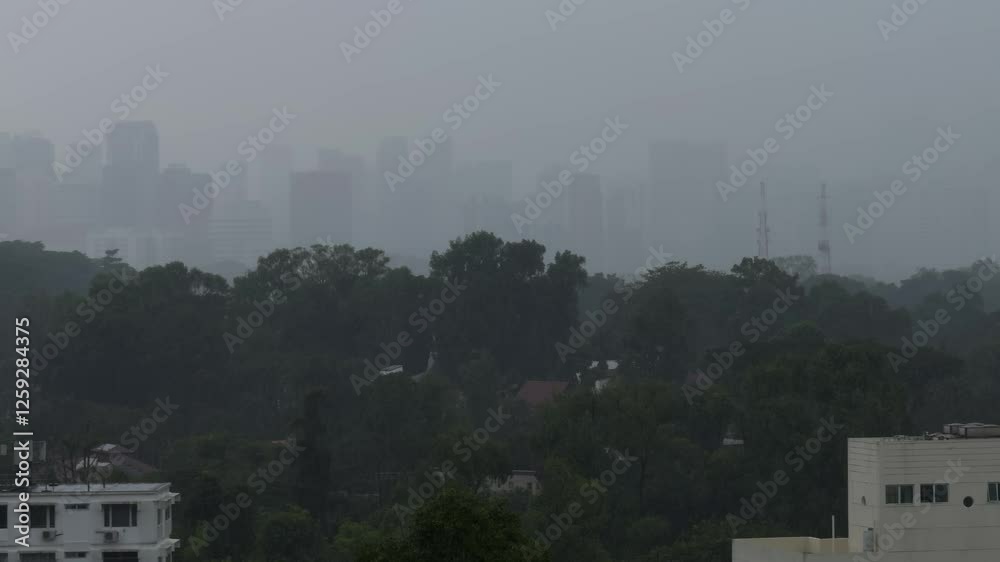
[(274, 176), (623, 249), (487, 189), (8, 201), (240, 232), (333, 160), (6, 151), (685, 211), (33, 159), (131, 175), (422, 213), (321, 208), (587, 219)]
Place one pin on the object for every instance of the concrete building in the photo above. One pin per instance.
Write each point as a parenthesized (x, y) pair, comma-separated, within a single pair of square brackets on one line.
[(321, 208), (132, 175), (933, 498), (517, 480), (486, 191), (119, 522), (240, 232)]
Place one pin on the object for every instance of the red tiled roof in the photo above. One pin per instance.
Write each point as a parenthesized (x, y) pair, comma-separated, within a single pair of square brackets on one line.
[(536, 393)]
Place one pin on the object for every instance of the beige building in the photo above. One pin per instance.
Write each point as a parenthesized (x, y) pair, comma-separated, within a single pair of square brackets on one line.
[(933, 498)]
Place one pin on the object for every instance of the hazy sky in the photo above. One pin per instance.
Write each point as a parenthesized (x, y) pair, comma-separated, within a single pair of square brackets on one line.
[(609, 59)]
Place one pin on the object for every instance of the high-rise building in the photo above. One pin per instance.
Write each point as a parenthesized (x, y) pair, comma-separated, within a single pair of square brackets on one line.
[(6, 151), (623, 249), (333, 160), (240, 232), (586, 218), (273, 177), (132, 174), (321, 208), (8, 202), (486, 189), (420, 210), (33, 158), (683, 203), (71, 212)]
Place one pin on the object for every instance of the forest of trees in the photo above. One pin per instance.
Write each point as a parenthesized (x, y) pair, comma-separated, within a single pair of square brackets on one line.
[(281, 361)]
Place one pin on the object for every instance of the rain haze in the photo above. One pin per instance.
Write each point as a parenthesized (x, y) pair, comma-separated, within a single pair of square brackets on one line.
[(561, 77), (513, 281)]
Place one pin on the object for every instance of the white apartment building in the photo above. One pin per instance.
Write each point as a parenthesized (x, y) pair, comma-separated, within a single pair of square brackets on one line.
[(933, 498), (112, 523)]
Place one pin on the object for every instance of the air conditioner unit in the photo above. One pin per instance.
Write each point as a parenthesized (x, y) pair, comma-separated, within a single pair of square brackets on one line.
[(49, 535), (111, 536)]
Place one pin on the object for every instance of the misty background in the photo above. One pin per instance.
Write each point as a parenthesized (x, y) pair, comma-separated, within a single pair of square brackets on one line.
[(656, 183)]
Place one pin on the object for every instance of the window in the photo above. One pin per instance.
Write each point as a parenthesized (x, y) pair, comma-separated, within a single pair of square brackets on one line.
[(121, 515), (43, 517), (993, 492), (77, 506), (169, 509), (933, 493), (38, 556), (76, 555), (3, 516), (159, 516), (120, 557), (899, 494)]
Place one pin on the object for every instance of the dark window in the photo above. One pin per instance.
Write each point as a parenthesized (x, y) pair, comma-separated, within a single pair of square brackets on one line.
[(121, 515), (933, 493), (120, 557), (993, 491), (3, 516), (38, 556), (899, 494), (43, 517)]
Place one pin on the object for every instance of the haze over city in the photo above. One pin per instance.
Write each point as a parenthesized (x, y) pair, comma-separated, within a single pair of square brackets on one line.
[(225, 70)]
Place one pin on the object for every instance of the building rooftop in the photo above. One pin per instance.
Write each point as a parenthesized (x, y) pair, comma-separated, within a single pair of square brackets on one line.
[(536, 393), (120, 488)]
